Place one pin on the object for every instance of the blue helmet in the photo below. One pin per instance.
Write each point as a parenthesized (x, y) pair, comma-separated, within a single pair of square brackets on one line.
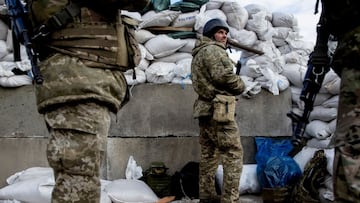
[(213, 25)]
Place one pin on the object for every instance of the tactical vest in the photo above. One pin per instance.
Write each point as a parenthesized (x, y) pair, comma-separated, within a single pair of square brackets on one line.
[(101, 39)]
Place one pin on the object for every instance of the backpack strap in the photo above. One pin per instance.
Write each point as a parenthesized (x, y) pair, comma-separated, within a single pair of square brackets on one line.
[(58, 20)]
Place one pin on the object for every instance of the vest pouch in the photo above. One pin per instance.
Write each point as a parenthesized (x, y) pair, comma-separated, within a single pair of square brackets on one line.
[(224, 108), (128, 55)]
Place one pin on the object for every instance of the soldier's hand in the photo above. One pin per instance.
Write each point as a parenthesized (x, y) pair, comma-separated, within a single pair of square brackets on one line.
[(319, 57)]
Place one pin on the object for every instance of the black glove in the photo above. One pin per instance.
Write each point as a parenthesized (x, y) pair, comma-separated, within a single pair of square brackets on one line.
[(319, 57)]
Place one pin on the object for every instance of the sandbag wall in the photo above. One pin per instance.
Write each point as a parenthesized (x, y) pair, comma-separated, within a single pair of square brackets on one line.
[(166, 57)]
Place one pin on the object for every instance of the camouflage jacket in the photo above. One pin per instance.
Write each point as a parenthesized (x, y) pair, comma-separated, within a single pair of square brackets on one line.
[(212, 73)]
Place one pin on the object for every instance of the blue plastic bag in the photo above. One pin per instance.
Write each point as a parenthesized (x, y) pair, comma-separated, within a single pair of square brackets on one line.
[(274, 167)]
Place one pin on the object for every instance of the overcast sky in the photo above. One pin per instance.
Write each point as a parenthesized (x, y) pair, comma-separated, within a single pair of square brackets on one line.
[(303, 10)]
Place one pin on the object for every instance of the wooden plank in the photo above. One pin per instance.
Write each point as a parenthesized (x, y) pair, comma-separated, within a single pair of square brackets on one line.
[(169, 29)]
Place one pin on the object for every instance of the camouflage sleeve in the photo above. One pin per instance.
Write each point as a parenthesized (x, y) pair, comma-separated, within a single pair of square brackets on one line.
[(221, 71)]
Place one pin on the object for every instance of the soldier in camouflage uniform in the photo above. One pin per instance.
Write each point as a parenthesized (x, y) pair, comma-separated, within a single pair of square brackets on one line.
[(212, 73), (342, 20), (82, 85)]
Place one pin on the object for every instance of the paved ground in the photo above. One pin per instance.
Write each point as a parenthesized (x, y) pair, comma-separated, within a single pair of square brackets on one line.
[(243, 199)]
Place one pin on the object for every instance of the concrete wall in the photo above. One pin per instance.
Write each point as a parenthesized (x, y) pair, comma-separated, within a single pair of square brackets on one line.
[(156, 125)]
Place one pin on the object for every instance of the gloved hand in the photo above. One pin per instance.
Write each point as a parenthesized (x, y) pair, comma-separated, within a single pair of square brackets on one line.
[(319, 57)]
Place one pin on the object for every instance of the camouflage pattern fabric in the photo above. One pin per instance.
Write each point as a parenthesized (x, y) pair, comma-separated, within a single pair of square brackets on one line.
[(77, 144), (347, 135), (212, 73), (307, 190), (220, 143), (67, 79)]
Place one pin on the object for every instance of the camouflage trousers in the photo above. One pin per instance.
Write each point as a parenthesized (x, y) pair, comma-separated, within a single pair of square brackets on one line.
[(220, 143), (347, 135), (77, 143)]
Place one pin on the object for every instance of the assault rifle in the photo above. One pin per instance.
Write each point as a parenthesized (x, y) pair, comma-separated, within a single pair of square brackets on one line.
[(18, 13), (312, 83)]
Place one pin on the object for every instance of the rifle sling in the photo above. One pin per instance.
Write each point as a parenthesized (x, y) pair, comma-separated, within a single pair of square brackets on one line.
[(58, 20)]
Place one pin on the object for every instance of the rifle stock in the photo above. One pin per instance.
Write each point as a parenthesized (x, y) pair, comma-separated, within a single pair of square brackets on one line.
[(246, 48)]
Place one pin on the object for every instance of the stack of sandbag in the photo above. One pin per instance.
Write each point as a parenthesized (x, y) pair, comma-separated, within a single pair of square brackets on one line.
[(12, 74), (283, 64), (35, 184), (166, 56)]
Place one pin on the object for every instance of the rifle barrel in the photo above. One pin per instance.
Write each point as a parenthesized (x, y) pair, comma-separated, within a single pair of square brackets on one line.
[(246, 48)]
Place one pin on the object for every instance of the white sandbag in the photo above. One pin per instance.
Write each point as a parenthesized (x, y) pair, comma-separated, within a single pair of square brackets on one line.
[(134, 15), (296, 57), (160, 72), (244, 37), (285, 49), (175, 57), (270, 51), (183, 68), (3, 48), (304, 156), (188, 47), (130, 191), (205, 15), (322, 113), (332, 125), (332, 87), (30, 173), (143, 65), (319, 144), (236, 15), (15, 81), (295, 96), (280, 19), (4, 30), (295, 73), (332, 102), (318, 129), (185, 19), (140, 76), (181, 80), (251, 87), (265, 61), (145, 54), (162, 18), (296, 42), (282, 82), (279, 35), (142, 35), (251, 69), (273, 82), (255, 8), (8, 58), (249, 183), (214, 4), (35, 190), (163, 45), (133, 171), (258, 23)]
